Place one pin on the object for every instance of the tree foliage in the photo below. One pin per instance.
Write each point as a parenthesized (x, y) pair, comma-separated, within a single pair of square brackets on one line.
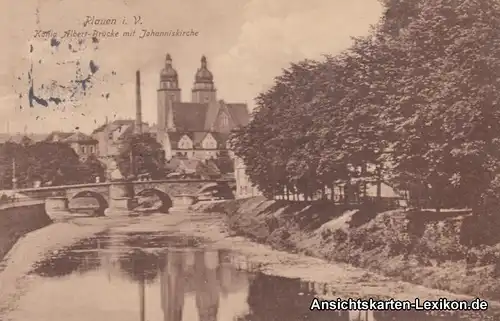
[(91, 168), (51, 163), (419, 95), (141, 154)]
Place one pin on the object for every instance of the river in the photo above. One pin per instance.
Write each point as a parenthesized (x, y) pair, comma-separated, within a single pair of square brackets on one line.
[(155, 273)]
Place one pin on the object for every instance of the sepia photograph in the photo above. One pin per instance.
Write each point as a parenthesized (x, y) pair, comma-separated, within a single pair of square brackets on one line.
[(250, 160)]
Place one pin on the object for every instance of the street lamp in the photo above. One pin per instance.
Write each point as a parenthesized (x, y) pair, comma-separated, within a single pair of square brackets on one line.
[(14, 179)]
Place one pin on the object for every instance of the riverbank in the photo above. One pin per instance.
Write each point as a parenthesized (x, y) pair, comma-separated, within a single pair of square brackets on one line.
[(330, 279), (18, 219), (449, 251)]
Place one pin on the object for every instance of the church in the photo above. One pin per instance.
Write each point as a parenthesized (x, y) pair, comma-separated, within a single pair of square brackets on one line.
[(199, 128)]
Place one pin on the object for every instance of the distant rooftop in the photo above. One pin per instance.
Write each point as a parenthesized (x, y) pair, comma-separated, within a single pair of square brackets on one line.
[(16, 138)]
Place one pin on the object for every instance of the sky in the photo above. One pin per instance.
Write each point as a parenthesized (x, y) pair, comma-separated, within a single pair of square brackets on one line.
[(246, 42)]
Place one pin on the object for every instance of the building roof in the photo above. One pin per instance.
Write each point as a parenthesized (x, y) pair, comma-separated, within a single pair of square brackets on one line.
[(80, 137), (17, 138), (57, 135), (125, 126)]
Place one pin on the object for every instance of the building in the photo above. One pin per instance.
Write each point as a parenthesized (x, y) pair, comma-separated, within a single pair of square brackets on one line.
[(199, 128), (244, 187), (110, 136), (21, 138), (83, 145), (193, 168)]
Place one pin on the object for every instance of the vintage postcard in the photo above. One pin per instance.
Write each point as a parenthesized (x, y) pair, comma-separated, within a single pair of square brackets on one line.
[(249, 160)]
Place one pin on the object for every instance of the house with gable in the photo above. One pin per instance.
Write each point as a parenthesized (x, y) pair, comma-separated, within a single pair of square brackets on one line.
[(83, 145)]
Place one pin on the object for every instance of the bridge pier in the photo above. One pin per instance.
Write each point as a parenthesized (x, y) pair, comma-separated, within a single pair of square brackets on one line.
[(121, 199), (60, 203), (183, 201)]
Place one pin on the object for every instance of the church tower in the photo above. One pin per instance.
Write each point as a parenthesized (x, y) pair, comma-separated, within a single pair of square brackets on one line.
[(169, 81), (203, 89), (168, 91)]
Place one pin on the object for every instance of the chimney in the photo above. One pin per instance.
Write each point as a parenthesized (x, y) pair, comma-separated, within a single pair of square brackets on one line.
[(138, 107)]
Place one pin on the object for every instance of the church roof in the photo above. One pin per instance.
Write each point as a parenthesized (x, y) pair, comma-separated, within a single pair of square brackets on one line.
[(239, 113), (196, 117), (189, 116), (221, 138)]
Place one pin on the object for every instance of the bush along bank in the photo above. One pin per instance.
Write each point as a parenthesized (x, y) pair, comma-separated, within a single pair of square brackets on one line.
[(451, 251)]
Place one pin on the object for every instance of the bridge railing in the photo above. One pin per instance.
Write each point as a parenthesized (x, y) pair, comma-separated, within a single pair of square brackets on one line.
[(62, 187), (19, 203), (59, 187)]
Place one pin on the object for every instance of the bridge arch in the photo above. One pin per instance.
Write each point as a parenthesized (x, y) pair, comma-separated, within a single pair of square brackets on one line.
[(166, 200), (101, 200)]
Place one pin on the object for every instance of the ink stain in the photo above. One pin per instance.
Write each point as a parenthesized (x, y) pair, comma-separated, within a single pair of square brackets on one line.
[(93, 67), (32, 98), (54, 42), (71, 93), (56, 100)]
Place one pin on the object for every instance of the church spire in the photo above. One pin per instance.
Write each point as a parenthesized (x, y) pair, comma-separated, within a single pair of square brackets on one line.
[(169, 81), (203, 90), (203, 75), (168, 75)]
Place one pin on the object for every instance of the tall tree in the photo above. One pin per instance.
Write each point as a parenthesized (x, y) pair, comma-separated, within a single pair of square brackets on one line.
[(91, 168), (141, 154), (444, 104), (53, 162)]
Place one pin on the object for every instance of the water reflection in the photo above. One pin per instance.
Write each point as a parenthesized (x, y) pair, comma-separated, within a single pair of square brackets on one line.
[(135, 277)]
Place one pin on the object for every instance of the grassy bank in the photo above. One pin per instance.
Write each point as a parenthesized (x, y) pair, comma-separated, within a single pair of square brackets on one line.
[(450, 250)]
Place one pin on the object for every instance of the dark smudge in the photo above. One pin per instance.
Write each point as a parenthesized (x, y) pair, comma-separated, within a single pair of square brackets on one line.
[(93, 67), (54, 42), (56, 100)]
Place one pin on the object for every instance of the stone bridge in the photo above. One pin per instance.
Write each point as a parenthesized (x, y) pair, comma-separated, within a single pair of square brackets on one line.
[(114, 197)]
